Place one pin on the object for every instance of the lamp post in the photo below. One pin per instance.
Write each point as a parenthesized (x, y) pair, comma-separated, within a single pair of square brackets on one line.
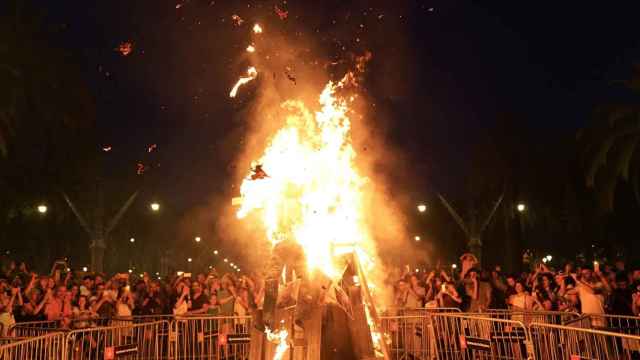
[(155, 207), (42, 209), (422, 208)]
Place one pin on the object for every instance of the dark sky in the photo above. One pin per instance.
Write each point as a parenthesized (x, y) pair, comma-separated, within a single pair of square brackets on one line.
[(445, 69)]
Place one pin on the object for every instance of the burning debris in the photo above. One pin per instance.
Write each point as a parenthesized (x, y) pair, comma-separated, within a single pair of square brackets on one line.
[(289, 74), (257, 29), (140, 168), (106, 148), (251, 48), (125, 48), (282, 14), (151, 147), (237, 20), (252, 73), (258, 173)]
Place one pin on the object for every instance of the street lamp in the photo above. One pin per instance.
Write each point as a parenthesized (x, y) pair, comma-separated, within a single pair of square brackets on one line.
[(130, 271), (154, 206), (215, 252), (84, 268), (454, 266), (422, 208), (521, 207), (226, 260), (232, 265), (417, 238), (198, 239), (189, 259), (132, 240), (42, 209)]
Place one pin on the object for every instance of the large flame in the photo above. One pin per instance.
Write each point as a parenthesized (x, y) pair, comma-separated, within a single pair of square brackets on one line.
[(311, 190)]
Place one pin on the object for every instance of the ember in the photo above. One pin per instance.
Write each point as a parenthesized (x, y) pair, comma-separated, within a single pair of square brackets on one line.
[(125, 48), (252, 73)]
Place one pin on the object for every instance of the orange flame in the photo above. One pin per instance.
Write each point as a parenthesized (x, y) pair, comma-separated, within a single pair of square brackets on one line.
[(257, 29), (313, 193), (280, 338)]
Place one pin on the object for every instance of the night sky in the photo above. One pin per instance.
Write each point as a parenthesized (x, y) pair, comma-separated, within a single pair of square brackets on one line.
[(443, 70)]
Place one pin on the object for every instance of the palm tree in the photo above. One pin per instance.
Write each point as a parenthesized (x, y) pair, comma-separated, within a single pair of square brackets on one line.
[(610, 144)]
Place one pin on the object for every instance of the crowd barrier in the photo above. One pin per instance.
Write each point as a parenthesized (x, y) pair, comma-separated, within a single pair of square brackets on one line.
[(564, 342), (614, 323), (410, 334), (45, 347), (527, 317), (460, 336), (210, 338), (147, 340)]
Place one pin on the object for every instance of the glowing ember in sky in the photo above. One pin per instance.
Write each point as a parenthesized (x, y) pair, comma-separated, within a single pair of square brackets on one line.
[(125, 48), (257, 29), (252, 73), (237, 20), (251, 48)]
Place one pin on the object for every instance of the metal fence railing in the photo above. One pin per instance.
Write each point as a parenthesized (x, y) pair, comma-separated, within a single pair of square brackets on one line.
[(146, 340), (409, 334), (471, 337), (527, 317), (45, 347), (564, 342), (210, 338)]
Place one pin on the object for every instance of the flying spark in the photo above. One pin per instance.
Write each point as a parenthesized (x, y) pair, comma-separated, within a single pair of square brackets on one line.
[(252, 73), (251, 48), (257, 29)]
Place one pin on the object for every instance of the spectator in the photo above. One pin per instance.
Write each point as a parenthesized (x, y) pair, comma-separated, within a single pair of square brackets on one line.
[(621, 300), (199, 301), (448, 296), (521, 300), (591, 289)]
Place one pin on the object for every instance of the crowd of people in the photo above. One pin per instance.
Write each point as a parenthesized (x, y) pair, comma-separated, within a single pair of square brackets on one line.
[(81, 299), (589, 289)]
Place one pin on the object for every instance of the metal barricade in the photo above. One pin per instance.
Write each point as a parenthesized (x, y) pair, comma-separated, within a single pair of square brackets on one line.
[(472, 337), (408, 336), (139, 341), (615, 323), (564, 342), (527, 317), (33, 328), (45, 347), (210, 337)]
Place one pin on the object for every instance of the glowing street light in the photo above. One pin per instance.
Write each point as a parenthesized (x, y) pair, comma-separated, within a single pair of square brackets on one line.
[(154, 206), (422, 208), (238, 270), (197, 239), (549, 257), (132, 240), (215, 252), (232, 265), (189, 259), (84, 268), (454, 266), (226, 260), (42, 209), (130, 271), (521, 207), (417, 238)]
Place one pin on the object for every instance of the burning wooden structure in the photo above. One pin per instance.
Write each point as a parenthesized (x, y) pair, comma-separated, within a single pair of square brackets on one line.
[(327, 319)]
